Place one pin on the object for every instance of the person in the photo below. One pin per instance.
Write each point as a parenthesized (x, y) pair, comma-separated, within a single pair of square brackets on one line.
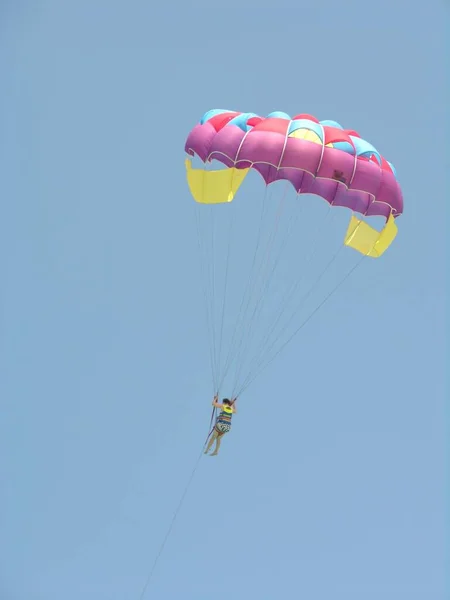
[(223, 422)]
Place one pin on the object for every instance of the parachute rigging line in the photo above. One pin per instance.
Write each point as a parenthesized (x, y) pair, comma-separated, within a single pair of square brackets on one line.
[(310, 316), (177, 510)]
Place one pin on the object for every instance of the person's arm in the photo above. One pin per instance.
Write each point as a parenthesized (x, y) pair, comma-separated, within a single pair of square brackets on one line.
[(233, 405), (216, 403)]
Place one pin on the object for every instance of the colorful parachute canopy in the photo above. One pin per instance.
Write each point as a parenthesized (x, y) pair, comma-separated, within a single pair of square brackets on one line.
[(317, 157)]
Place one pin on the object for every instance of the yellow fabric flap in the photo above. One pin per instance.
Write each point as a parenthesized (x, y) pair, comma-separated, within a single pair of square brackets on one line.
[(306, 134), (367, 240), (214, 187)]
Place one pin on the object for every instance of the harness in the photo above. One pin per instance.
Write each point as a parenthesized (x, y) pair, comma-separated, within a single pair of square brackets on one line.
[(224, 418)]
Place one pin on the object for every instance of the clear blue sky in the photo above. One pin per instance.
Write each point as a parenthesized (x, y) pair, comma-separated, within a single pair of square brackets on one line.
[(105, 382)]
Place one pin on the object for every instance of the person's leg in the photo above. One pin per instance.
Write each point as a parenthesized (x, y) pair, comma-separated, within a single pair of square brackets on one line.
[(218, 441), (211, 441)]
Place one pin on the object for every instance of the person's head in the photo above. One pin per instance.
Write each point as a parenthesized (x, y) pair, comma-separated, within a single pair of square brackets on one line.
[(226, 402)]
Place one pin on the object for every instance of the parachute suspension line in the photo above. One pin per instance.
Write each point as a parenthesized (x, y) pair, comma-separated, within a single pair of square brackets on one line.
[(227, 264), (308, 318), (266, 283), (207, 256), (260, 359), (205, 294), (211, 425), (260, 277), (241, 320), (240, 315), (209, 279), (213, 293), (289, 295)]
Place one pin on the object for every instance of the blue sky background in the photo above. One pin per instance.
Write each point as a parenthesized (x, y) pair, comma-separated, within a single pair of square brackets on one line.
[(331, 484)]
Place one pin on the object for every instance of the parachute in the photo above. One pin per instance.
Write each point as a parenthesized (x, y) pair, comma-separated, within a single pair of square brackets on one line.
[(311, 157)]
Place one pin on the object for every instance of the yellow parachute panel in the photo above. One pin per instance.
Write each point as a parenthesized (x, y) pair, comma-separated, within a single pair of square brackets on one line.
[(214, 187), (365, 239), (306, 134)]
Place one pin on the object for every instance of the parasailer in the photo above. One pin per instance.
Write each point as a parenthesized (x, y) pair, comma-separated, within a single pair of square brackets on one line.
[(223, 423)]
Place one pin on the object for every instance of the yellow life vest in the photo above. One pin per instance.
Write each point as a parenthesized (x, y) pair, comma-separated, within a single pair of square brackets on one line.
[(227, 409)]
